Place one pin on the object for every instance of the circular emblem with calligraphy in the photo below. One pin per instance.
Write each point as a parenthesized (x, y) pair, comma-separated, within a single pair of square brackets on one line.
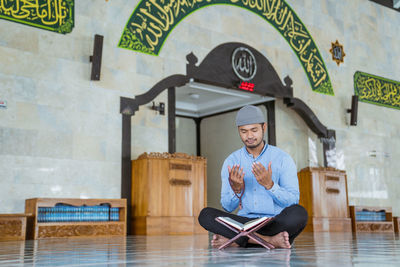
[(244, 64)]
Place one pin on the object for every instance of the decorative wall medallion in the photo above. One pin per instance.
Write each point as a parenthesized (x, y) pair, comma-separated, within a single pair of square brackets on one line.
[(52, 15), (153, 20), (377, 90), (337, 52), (244, 64)]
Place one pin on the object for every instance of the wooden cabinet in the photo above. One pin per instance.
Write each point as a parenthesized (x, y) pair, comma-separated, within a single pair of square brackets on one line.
[(168, 193), (323, 192), (69, 217)]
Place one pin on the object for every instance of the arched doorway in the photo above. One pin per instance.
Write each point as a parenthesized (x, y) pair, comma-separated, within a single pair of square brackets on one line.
[(235, 68)]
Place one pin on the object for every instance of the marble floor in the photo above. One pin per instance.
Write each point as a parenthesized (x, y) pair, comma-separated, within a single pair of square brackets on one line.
[(310, 249)]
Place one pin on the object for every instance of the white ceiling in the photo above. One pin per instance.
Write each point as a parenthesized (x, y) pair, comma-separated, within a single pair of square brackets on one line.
[(198, 99)]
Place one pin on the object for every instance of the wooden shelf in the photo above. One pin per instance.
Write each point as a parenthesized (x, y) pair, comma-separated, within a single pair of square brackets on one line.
[(40, 230), (12, 227), (80, 223), (371, 226)]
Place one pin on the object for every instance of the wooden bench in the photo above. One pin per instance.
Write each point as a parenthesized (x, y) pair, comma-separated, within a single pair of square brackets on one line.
[(12, 227), (371, 219)]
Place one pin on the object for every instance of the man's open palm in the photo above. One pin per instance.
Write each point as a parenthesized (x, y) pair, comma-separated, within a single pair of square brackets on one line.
[(236, 176), (263, 176)]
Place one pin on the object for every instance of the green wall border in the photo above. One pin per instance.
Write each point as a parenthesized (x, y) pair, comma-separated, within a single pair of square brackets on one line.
[(33, 20), (149, 12), (375, 90)]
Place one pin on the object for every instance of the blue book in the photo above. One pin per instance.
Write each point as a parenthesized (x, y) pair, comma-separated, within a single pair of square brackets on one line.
[(40, 214)]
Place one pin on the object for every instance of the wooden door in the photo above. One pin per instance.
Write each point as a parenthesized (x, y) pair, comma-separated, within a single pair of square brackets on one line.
[(330, 196), (180, 188)]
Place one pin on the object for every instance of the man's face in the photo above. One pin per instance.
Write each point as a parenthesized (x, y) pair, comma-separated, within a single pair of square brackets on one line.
[(252, 134)]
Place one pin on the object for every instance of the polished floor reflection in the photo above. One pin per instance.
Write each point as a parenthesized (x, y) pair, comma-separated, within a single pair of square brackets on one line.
[(318, 249)]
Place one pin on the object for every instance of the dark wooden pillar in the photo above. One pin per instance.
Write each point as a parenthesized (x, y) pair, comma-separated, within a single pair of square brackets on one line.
[(270, 106), (171, 120), (126, 168), (198, 133)]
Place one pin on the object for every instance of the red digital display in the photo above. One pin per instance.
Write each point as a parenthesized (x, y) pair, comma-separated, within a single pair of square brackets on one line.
[(247, 86)]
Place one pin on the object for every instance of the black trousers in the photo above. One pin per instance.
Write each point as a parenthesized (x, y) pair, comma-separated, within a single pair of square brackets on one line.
[(292, 219)]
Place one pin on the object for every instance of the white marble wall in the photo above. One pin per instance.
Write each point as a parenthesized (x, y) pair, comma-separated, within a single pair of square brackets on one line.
[(61, 133)]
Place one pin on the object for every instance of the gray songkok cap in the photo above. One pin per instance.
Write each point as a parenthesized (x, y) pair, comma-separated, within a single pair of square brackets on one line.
[(249, 115)]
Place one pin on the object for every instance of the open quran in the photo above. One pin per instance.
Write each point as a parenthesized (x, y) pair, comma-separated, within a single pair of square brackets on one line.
[(247, 229), (243, 226)]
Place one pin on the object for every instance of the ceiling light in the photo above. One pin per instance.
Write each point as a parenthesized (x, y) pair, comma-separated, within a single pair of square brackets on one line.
[(194, 96), (219, 90)]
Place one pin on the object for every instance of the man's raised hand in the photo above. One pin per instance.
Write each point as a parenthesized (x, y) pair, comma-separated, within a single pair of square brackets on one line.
[(263, 176), (236, 176)]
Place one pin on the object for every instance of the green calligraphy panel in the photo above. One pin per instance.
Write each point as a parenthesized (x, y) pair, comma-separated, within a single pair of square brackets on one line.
[(153, 20), (52, 15), (377, 90)]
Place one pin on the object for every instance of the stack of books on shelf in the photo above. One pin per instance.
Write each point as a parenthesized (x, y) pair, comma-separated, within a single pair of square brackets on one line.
[(69, 213), (366, 215)]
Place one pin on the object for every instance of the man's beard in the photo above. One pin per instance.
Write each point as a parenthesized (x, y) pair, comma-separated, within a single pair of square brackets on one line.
[(253, 145)]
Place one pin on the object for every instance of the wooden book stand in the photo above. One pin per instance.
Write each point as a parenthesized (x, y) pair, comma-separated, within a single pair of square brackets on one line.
[(249, 233)]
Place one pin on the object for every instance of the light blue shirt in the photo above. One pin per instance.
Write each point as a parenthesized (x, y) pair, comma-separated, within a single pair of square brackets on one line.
[(258, 201)]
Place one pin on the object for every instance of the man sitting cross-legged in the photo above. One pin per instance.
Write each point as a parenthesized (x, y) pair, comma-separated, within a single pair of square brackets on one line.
[(262, 181)]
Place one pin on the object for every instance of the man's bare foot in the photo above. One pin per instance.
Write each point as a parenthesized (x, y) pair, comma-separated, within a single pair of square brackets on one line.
[(219, 240), (280, 240)]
